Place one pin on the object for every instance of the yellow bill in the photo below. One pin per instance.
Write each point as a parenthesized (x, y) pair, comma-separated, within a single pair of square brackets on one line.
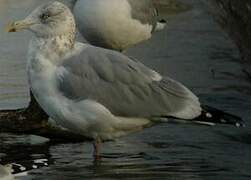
[(19, 25), (10, 27)]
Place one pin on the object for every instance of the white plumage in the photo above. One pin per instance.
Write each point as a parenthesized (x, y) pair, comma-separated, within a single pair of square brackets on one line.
[(99, 93), (116, 24)]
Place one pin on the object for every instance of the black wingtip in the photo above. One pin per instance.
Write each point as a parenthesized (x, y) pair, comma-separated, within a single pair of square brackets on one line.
[(213, 115), (163, 21)]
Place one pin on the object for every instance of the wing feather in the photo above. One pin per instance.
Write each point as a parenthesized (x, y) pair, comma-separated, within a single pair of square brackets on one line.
[(126, 87)]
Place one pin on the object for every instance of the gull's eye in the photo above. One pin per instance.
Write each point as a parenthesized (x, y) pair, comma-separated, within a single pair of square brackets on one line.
[(44, 16)]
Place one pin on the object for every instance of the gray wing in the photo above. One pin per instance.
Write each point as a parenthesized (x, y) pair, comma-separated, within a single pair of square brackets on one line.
[(144, 11), (69, 3), (124, 86)]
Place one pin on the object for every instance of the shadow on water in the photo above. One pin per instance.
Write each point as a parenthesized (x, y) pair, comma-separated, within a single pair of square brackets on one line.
[(242, 138)]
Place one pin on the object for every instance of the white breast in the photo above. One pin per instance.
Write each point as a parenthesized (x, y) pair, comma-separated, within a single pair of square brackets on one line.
[(109, 23)]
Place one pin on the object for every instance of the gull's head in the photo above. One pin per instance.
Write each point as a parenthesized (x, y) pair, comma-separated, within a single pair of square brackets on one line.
[(49, 20)]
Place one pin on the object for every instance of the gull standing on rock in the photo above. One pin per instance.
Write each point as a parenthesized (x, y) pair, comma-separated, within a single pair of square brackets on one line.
[(99, 93)]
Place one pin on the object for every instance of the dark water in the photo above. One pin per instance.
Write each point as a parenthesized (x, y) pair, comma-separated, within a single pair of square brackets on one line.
[(193, 50)]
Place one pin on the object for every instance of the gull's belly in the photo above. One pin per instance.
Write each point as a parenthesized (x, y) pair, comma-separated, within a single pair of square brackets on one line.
[(109, 23)]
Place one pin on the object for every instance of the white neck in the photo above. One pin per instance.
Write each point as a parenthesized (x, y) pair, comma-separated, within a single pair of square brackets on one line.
[(44, 55), (51, 49)]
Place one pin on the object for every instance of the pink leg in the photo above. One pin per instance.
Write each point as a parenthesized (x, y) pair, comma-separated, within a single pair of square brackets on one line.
[(96, 145)]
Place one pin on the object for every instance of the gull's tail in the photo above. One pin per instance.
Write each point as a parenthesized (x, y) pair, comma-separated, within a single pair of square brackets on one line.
[(161, 24), (212, 116)]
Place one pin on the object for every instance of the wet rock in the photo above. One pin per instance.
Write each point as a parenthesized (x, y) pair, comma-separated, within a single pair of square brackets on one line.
[(235, 17)]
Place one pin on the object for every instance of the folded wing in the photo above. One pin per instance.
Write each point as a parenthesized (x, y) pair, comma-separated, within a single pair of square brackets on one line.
[(126, 87)]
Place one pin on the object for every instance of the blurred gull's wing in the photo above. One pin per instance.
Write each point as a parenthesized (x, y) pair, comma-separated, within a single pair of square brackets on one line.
[(144, 11)]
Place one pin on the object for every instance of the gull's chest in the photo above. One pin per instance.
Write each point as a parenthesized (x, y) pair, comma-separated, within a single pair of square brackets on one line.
[(41, 75), (43, 57), (41, 69)]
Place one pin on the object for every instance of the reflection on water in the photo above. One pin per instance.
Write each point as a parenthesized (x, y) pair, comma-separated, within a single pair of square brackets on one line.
[(125, 159), (74, 161), (193, 50)]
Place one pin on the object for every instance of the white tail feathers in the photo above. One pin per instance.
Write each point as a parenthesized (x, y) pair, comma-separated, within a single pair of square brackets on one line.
[(160, 25)]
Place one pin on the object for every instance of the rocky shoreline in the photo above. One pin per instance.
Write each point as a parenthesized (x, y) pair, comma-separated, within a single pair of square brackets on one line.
[(235, 18)]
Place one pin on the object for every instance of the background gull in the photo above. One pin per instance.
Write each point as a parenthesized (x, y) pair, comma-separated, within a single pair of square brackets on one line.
[(116, 24), (100, 93)]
